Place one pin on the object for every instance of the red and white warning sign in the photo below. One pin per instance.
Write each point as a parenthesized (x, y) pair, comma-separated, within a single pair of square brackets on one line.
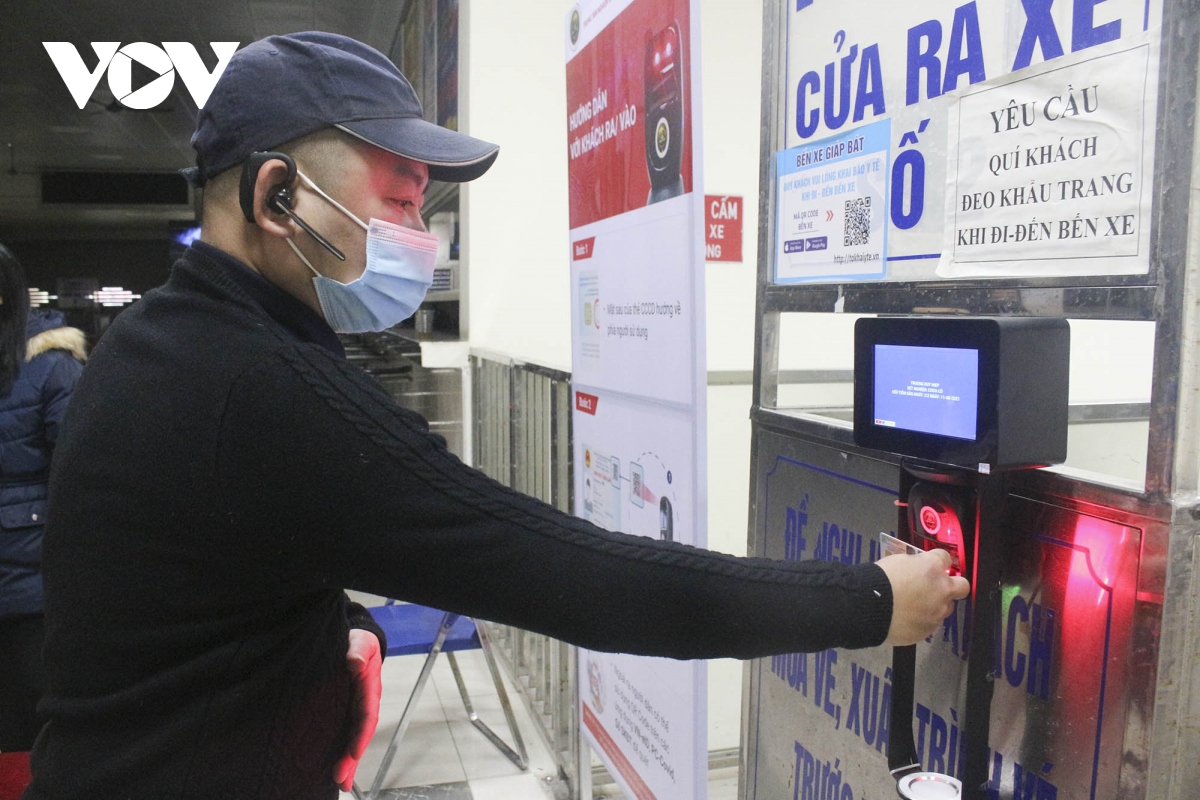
[(722, 228)]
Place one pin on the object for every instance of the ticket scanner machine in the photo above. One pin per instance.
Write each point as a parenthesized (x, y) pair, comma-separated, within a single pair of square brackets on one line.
[(962, 402)]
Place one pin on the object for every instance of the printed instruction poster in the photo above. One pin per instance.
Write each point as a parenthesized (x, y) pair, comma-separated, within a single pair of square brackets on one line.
[(635, 318), (936, 72), (638, 369), (644, 489), (1051, 173)]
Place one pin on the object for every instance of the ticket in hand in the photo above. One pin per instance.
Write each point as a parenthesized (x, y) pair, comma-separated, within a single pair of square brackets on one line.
[(892, 546)]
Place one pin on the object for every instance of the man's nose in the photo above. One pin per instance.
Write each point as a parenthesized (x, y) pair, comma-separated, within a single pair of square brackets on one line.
[(413, 220)]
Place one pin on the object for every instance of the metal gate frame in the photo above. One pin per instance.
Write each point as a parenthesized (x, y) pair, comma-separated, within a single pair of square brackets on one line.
[(1162, 742), (522, 438)]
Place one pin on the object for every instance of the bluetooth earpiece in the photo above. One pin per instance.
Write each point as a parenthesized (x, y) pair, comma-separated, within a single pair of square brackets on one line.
[(279, 199)]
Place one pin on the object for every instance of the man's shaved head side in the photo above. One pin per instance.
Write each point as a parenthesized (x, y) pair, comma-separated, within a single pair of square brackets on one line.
[(318, 155)]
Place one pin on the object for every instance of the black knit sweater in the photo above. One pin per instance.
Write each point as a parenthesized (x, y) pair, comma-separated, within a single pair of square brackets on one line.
[(223, 473)]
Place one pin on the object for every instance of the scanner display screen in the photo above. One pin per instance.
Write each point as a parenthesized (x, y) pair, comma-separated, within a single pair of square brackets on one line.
[(927, 389)]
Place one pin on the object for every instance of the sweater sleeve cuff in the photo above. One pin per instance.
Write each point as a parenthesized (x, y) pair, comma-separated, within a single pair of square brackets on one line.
[(875, 606), (361, 619)]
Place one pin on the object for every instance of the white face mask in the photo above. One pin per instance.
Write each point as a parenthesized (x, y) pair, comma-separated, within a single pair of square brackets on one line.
[(399, 272)]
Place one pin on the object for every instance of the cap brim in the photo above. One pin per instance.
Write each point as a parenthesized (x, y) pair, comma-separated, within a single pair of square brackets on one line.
[(450, 155)]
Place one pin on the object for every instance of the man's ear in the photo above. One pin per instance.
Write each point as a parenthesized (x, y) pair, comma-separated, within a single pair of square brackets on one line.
[(266, 180)]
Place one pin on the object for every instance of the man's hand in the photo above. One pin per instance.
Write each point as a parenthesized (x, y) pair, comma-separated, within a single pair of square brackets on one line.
[(365, 663), (923, 594)]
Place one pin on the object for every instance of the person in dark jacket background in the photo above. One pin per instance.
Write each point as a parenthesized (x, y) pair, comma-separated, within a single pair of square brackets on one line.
[(40, 361)]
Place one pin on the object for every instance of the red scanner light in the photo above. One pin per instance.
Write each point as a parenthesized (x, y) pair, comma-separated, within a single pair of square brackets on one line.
[(931, 520), (940, 528)]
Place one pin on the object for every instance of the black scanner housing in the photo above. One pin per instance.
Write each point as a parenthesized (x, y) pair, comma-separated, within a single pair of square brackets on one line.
[(1024, 371)]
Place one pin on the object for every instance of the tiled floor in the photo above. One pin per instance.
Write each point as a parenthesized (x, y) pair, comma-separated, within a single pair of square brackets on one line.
[(443, 757)]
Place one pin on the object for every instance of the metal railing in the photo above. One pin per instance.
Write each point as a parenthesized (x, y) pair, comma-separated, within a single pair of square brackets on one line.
[(522, 438)]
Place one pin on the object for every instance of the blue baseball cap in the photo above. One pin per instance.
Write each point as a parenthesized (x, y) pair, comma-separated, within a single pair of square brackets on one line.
[(283, 87)]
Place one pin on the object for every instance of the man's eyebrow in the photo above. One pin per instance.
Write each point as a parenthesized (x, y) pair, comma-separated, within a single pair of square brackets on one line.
[(410, 171)]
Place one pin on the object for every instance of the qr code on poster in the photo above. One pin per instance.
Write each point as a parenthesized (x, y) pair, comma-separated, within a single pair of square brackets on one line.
[(858, 222)]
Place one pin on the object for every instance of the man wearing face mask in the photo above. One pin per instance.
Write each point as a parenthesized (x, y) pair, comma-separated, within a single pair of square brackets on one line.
[(224, 473)]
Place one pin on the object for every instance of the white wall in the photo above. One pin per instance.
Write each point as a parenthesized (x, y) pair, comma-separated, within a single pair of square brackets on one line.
[(514, 220), (731, 45), (728, 510), (515, 242), (731, 64)]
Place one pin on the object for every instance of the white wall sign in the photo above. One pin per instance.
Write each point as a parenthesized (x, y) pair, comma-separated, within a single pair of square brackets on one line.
[(1050, 173), (933, 68)]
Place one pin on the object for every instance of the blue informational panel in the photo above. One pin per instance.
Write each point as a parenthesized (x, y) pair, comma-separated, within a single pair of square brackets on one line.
[(1065, 647), (832, 197)]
